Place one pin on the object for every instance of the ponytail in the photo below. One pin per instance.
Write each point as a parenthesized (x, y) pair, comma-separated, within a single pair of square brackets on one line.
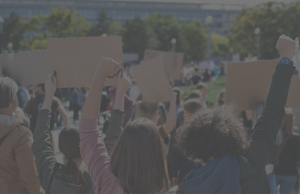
[(68, 144), (72, 168)]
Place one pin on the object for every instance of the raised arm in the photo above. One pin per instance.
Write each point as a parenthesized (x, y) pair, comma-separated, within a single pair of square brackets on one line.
[(106, 67), (171, 118), (269, 123), (92, 148), (42, 148), (115, 127)]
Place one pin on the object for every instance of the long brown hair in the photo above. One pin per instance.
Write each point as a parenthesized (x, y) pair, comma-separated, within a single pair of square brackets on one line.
[(68, 143), (139, 159)]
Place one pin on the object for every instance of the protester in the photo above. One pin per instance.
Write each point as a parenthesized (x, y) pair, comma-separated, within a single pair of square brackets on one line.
[(218, 139), (286, 172), (33, 106), (23, 96), (17, 170), (273, 160), (179, 94), (73, 177), (127, 103), (74, 98), (138, 163), (221, 98), (181, 165), (151, 111), (82, 96), (202, 87)]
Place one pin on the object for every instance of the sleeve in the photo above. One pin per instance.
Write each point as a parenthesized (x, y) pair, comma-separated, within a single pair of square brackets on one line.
[(266, 129), (25, 161), (162, 133), (175, 161), (94, 154), (29, 106), (114, 130), (43, 151)]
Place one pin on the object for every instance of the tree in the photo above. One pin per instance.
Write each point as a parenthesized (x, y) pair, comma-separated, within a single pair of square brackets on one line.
[(196, 40), (102, 26), (115, 29), (219, 45), (138, 36), (166, 28), (267, 17), (63, 22), (14, 29)]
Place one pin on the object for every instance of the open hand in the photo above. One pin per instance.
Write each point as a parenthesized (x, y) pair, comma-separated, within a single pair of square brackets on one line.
[(123, 83), (109, 66), (50, 85), (286, 46)]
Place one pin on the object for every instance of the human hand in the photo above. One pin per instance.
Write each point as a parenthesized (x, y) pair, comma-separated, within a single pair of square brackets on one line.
[(50, 86), (123, 83), (175, 181), (109, 67), (286, 46)]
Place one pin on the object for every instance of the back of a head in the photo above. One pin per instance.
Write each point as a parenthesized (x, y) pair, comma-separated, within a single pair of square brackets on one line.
[(68, 143), (8, 91), (145, 109), (192, 105), (139, 158), (194, 94), (201, 85), (211, 133)]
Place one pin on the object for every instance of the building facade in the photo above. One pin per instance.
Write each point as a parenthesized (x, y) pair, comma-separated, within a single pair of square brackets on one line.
[(122, 10)]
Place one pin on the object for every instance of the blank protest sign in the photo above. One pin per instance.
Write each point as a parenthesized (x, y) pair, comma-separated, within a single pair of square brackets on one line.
[(247, 83), (152, 80), (75, 59), (172, 62)]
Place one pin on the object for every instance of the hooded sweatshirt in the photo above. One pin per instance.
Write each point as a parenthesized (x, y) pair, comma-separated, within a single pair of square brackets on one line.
[(207, 178), (252, 176), (17, 167)]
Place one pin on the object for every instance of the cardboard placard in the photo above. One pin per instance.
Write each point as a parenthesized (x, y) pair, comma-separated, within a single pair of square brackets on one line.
[(172, 62), (75, 59), (152, 80), (247, 83)]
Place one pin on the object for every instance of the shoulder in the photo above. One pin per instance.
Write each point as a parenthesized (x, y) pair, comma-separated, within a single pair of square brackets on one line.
[(21, 133)]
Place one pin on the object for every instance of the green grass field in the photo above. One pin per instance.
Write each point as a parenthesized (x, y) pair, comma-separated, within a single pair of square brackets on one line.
[(214, 88)]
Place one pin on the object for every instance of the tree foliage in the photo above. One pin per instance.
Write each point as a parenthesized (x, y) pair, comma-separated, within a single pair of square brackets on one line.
[(14, 28)]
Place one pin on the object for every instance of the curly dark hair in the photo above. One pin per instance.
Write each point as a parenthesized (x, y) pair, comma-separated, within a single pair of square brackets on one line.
[(211, 133)]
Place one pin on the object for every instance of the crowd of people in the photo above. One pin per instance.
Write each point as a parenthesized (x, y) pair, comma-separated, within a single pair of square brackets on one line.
[(146, 147)]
